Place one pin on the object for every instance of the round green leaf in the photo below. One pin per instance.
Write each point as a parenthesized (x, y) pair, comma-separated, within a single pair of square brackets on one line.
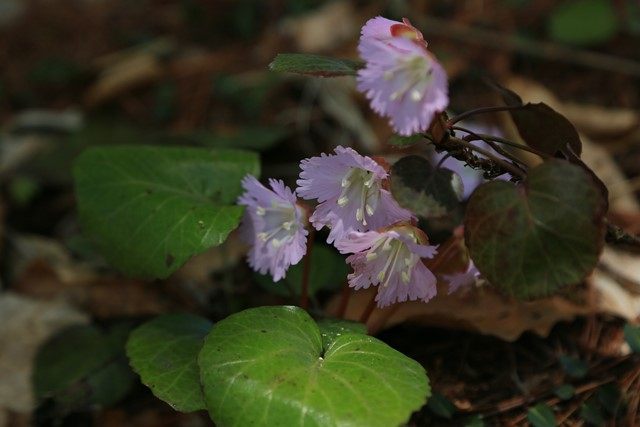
[(565, 391), (331, 329), (267, 366), (584, 22), (533, 239), (164, 353), (149, 209)]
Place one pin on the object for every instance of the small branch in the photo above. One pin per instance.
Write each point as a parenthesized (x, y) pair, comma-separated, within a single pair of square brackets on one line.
[(446, 28), (618, 237)]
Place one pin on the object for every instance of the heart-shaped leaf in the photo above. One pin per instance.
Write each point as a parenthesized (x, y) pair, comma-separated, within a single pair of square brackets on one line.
[(331, 329), (315, 65), (530, 240), (149, 209), (267, 366), (427, 191), (164, 353)]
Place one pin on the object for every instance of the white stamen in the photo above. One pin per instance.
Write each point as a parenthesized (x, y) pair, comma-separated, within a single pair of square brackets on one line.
[(369, 210), (371, 256), (406, 276), (260, 210), (343, 201)]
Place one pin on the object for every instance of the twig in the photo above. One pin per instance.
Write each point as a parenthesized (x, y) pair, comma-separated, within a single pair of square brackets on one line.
[(550, 51), (618, 237)]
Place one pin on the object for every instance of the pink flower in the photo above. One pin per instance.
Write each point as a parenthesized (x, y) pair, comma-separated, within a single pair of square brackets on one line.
[(402, 79), (350, 190), (274, 226), (458, 281), (391, 260)]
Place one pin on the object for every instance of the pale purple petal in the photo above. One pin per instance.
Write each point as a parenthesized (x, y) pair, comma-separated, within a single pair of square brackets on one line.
[(274, 225), (401, 78), (349, 189), (391, 261), (458, 281)]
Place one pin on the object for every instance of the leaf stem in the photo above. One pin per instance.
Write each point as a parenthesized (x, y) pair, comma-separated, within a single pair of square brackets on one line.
[(455, 119), (504, 164), (497, 139), (306, 270)]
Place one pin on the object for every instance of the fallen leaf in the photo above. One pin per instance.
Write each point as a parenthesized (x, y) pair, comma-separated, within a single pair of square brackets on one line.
[(309, 31)]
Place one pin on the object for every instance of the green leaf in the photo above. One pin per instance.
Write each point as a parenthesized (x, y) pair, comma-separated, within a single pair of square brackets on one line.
[(565, 391), (575, 368), (441, 406), (591, 412), (149, 209), (532, 239), (315, 65), (584, 22), (164, 353), (267, 366), (474, 421), (328, 272), (632, 337), (423, 189), (83, 366), (405, 141), (541, 416), (610, 398), (331, 329)]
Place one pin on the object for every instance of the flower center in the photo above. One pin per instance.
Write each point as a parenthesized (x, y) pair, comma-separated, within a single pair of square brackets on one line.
[(280, 223), (411, 76), (360, 189), (400, 260)]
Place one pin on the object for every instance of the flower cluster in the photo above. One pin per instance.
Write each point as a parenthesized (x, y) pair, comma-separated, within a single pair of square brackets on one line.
[(363, 217), (386, 250)]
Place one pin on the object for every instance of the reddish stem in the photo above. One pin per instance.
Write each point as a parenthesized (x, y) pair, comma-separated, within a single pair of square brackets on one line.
[(306, 270), (367, 311), (344, 300)]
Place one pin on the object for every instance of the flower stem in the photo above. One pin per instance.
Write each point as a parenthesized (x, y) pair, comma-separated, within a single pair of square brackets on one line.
[(306, 270), (345, 296), (483, 110), (366, 314)]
